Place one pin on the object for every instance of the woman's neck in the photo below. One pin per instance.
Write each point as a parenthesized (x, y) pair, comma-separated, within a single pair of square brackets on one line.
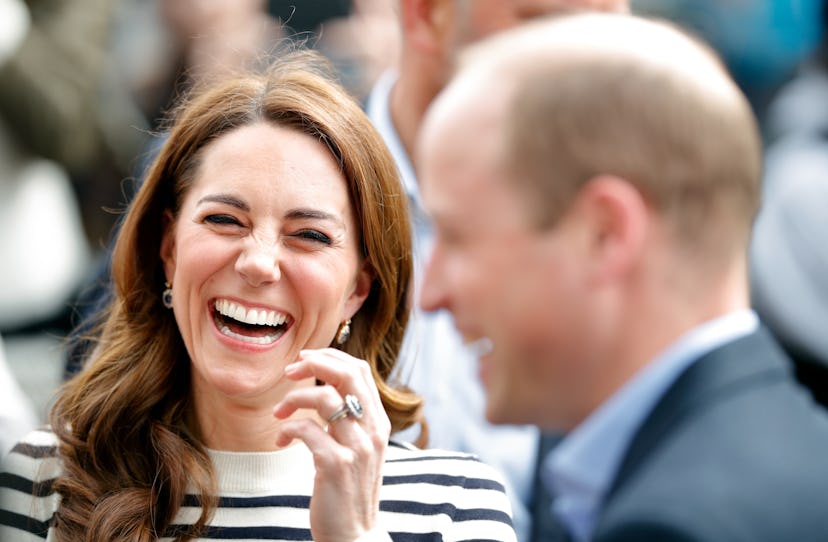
[(240, 425)]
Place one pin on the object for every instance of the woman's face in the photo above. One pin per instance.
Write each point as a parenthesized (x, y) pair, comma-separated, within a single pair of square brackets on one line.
[(263, 259)]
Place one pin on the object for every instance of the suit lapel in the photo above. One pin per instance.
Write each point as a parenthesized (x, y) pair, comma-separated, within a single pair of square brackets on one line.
[(741, 364)]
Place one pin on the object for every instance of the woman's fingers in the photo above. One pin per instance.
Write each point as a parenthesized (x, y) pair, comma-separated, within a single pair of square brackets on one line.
[(323, 399), (348, 430), (333, 367), (335, 460), (304, 429), (349, 450), (346, 374), (345, 500), (346, 378)]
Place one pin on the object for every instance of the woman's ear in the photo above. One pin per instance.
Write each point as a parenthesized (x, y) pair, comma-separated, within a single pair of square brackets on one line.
[(167, 251), (361, 288)]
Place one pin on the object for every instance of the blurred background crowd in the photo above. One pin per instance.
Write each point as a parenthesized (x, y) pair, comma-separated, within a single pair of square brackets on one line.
[(84, 85)]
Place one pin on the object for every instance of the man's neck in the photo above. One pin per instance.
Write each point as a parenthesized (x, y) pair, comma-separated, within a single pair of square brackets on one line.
[(409, 99), (655, 318)]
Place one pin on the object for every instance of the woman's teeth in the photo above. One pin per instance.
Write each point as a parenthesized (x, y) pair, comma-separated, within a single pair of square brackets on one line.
[(264, 339), (252, 326), (259, 317)]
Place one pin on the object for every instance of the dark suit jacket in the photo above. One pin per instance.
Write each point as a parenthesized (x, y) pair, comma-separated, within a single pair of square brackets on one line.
[(736, 450)]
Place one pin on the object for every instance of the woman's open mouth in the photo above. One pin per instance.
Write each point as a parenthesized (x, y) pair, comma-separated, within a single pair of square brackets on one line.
[(252, 326)]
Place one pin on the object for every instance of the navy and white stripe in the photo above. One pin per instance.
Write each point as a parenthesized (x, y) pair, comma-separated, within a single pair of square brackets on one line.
[(426, 495)]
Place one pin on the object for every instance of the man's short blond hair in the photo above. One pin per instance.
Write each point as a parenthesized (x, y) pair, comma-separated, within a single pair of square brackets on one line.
[(595, 94)]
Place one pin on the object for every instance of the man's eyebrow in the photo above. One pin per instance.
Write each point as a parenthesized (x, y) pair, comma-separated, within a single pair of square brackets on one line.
[(313, 214), (226, 199)]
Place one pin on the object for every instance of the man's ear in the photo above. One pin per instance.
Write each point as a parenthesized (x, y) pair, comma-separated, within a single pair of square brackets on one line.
[(427, 23), (167, 251), (361, 289), (617, 219)]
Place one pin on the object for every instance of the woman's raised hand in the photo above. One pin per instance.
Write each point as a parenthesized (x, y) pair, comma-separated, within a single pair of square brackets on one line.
[(350, 452)]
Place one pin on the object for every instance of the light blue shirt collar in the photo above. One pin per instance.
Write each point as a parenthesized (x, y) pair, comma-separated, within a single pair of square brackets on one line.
[(378, 108), (583, 466)]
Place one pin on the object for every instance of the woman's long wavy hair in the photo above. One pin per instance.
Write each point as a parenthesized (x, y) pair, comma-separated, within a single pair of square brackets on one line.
[(128, 440)]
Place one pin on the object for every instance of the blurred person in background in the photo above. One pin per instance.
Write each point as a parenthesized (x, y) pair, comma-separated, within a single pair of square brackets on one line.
[(163, 47), (789, 260), (20, 172), (593, 181), (62, 100), (435, 362), (362, 44), (50, 59), (240, 387), (167, 45)]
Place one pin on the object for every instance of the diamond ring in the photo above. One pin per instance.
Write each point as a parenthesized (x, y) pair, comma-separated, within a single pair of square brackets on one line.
[(351, 407)]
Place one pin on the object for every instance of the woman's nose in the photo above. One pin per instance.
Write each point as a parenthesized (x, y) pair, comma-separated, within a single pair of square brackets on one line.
[(259, 262)]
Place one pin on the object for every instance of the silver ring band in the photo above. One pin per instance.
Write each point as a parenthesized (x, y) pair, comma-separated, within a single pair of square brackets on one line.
[(351, 407)]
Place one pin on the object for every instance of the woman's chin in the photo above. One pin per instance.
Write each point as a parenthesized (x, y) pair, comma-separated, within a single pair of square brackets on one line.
[(243, 385)]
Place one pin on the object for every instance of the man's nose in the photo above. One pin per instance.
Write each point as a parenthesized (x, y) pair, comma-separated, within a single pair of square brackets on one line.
[(432, 289)]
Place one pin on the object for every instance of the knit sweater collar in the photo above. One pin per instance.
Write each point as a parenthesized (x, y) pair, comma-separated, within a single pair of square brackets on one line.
[(260, 472)]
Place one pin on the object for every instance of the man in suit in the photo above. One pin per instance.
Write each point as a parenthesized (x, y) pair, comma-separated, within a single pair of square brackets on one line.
[(434, 361), (592, 181)]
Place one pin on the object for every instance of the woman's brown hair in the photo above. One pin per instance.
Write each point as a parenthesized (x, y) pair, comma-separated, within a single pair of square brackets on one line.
[(128, 440)]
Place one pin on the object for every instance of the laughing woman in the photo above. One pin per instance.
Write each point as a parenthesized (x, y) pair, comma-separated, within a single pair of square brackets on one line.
[(239, 386)]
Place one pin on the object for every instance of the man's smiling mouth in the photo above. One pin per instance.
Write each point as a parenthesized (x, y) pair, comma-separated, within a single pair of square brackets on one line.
[(252, 326)]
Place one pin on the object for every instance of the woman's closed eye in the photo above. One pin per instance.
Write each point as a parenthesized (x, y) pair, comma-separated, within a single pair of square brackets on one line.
[(220, 219), (313, 235)]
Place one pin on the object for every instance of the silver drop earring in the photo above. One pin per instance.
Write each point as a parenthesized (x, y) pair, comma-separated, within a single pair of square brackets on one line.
[(344, 332), (166, 296)]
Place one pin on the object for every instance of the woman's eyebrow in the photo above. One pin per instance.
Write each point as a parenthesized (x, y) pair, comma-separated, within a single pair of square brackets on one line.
[(226, 199), (295, 214), (313, 214)]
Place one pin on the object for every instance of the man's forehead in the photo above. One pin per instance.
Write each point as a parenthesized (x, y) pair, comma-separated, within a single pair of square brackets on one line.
[(471, 107), (461, 142)]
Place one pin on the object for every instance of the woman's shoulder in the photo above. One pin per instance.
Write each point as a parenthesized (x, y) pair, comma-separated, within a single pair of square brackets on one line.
[(32, 464), (453, 493), (41, 437), (32, 453), (405, 458), (400, 449), (27, 497)]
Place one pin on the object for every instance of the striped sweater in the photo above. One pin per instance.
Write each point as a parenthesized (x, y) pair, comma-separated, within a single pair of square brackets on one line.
[(425, 495)]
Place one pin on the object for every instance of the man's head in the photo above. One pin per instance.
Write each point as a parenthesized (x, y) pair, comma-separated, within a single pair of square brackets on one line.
[(438, 29), (434, 31), (592, 179)]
